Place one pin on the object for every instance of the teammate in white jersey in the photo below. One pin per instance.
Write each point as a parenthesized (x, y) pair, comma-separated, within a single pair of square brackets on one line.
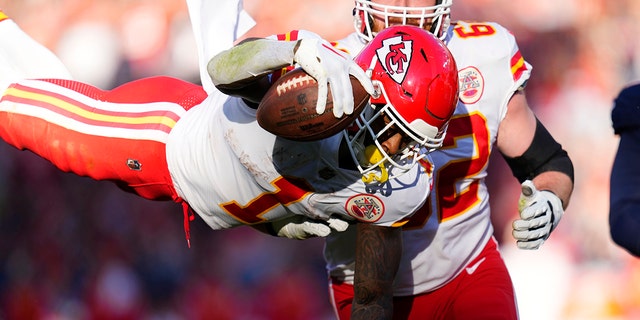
[(166, 139), (451, 267)]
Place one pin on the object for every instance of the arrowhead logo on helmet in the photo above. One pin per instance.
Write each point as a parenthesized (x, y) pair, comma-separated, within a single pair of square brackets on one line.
[(395, 55)]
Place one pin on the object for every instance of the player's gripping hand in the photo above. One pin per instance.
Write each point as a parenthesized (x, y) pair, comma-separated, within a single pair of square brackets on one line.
[(333, 67), (301, 228), (540, 213)]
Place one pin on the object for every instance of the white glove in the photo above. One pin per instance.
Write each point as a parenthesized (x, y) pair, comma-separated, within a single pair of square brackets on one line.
[(328, 65), (300, 228), (540, 213)]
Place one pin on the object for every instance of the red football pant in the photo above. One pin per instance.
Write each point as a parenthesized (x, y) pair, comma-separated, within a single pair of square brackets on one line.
[(100, 134), (485, 294)]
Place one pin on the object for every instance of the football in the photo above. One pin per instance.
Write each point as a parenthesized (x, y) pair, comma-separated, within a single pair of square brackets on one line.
[(288, 109)]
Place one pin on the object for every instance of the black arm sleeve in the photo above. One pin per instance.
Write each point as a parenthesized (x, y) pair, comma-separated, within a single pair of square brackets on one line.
[(544, 154)]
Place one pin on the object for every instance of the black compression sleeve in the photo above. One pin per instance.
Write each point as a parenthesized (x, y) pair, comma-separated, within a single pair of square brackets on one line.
[(544, 154)]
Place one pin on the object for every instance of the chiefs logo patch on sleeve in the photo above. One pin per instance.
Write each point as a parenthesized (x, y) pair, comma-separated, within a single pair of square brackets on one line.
[(471, 85), (365, 207)]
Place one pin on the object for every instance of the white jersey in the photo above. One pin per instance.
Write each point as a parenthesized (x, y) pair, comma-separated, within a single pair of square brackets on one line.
[(232, 172), (449, 232)]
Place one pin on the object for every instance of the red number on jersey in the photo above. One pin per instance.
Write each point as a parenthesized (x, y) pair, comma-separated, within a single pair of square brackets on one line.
[(474, 30), (449, 202), (288, 190)]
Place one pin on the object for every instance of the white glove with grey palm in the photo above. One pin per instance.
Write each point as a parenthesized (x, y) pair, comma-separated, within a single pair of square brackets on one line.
[(300, 228), (540, 213)]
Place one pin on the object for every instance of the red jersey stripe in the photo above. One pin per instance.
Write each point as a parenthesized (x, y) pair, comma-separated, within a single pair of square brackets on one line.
[(517, 65)]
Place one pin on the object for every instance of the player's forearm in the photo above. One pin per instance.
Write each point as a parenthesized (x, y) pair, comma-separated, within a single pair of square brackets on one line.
[(250, 59), (378, 252), (557, 182)]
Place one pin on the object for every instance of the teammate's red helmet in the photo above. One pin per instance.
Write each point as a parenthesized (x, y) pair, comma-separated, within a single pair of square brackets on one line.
[(417, 80)]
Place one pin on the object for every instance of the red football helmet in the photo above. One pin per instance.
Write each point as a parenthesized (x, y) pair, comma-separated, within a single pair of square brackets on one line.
[(432, 18), (416, 79)]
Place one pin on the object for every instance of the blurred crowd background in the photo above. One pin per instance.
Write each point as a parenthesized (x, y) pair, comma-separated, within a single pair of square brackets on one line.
[(72, 248)]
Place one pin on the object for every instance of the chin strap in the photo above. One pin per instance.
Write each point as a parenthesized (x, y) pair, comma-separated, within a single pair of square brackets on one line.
[(374, 156)]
